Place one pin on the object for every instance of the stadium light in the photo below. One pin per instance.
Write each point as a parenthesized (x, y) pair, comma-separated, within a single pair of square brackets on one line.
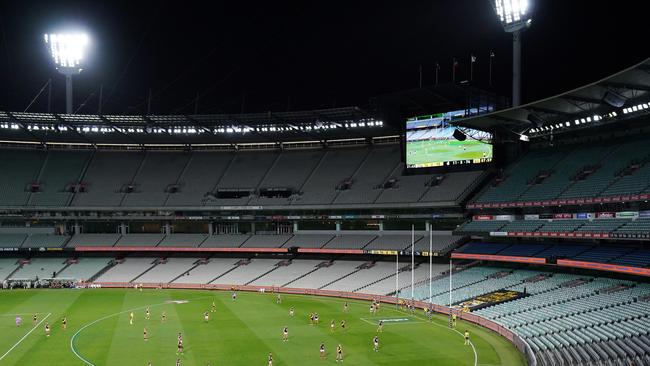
[(515, 17), (68, 52)]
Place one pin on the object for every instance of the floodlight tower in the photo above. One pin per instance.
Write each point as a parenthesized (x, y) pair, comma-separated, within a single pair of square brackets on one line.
[(67, 51), (515, 17)]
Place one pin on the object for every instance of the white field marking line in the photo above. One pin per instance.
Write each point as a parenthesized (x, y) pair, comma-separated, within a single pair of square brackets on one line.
[(25, 336), (360, 302), (74, 336), (409, 321), (459, 333)]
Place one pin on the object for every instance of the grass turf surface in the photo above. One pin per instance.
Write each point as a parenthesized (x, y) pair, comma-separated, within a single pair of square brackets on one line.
[(240, 332), (424, 152)]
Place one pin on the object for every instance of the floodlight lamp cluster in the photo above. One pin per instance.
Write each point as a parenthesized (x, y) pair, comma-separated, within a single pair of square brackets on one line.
[(67, 50), (513, 14), (578, 122), (82, 127)]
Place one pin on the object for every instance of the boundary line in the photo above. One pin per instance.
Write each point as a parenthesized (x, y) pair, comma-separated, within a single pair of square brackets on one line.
[(25, 336), (74, 336), (454, 329), (405, 313)]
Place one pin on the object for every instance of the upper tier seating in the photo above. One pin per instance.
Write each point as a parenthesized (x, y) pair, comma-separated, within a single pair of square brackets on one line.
[(201, 175), (24, 166), (157, 172), (519, 174), (245, 171), (106, 177), (334, 176), (374, 170), (612, 168), (60, 169), (337, 165), (290, 170), (598, 181)]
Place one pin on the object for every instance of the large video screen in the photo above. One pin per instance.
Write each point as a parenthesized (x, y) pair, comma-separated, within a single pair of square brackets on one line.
[(430, 142)]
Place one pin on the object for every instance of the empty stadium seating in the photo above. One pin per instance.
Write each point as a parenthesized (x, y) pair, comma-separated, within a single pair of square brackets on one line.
[(39, 268), (622, 255), (597, 226), (588, 321), (339, 176), (613, 168), (82, 269), (93, 240), (483, 226)]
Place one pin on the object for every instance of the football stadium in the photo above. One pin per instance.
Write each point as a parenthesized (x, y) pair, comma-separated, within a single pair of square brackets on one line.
[(470, 216)]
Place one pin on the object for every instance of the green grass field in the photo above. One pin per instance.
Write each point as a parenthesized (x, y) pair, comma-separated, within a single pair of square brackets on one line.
[(240, 332), (425, 152)]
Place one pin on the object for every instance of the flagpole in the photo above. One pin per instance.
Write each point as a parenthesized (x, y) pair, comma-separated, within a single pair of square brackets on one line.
[(397, 277), (430, 264), (412, 262), (453, 71), (437, 68), (471, 67), (450, 271), (491, 57), (420, 76)]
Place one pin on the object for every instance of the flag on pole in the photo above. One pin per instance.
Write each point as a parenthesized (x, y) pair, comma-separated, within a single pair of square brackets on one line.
[(491, 54), (473, 58)]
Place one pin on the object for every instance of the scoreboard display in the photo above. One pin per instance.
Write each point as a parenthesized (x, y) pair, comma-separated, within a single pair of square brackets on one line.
[(430, 142)]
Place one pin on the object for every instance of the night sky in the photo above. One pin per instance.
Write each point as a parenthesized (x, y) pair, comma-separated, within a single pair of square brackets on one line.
[(278, 56)]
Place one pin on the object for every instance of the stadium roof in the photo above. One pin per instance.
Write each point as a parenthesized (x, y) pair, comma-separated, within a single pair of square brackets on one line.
[(318, 125), (590, 105)]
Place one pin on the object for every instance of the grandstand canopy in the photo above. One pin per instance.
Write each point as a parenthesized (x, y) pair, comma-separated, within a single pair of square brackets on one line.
[(579, 108), (314, 125)]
